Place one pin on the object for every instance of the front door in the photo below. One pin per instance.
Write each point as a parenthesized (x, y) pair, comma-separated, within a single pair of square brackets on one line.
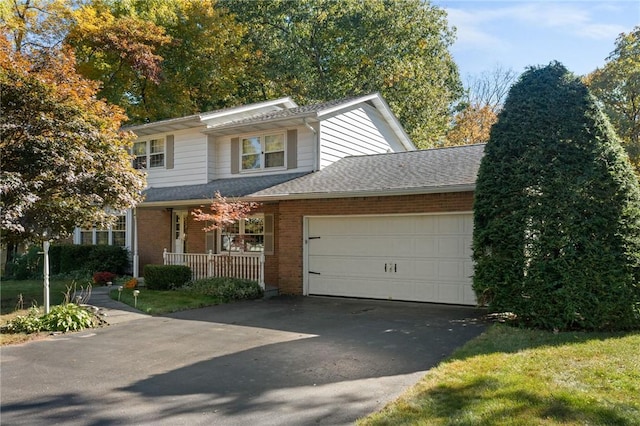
[(179, 231)]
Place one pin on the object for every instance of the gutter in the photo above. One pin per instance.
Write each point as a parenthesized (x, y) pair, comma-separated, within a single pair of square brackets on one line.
[(356, 194), (317, 195)]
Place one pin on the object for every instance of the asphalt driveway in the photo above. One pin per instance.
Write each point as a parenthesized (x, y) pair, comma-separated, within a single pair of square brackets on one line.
[(270, 362)]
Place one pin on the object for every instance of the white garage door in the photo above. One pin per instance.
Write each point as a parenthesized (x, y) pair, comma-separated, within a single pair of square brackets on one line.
[(423, 258)]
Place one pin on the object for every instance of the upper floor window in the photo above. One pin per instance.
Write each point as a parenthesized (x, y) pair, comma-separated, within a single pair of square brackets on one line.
[(263, 152), (148, 153)]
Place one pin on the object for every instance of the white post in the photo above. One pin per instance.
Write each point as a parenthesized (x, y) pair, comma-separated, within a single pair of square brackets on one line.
[(165, 257), (261, 280), (136, 257), (45, 245)]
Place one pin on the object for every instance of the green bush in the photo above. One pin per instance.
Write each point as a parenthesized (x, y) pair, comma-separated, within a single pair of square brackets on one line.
[(67, 317), (226, 288), (29, 265), (73, 258), (30, 323), (166, 277), (557, 211), (70, 260), (108, 258)]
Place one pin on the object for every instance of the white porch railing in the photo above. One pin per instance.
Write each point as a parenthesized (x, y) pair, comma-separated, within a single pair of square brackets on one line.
[(205, 265)]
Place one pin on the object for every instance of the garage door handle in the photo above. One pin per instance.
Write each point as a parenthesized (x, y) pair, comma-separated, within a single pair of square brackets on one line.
[(314, 273), (385, 267)]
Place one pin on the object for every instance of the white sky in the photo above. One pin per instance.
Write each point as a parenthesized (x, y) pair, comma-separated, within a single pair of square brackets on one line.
[(516, 34)]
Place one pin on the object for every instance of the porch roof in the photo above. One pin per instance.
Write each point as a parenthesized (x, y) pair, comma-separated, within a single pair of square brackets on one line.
[(231, 187), (450, 169)]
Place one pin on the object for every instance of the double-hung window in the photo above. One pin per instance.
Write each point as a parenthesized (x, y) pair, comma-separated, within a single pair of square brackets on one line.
[(114, 235), (149, 154), (253, 234), (263, 151)]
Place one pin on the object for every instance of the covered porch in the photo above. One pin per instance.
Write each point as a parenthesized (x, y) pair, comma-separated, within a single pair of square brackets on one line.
[(249, 266)]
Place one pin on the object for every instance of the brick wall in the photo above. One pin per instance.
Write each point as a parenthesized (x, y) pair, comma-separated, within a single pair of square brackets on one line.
[(154, 234), (196, 240), (291, 213)]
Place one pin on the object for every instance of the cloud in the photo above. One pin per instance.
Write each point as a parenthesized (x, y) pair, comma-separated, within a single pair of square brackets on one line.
[(480, 28)]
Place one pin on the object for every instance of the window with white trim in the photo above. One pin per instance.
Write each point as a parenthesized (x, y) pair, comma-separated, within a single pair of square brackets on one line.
[(114, 235), (248, 235), (149, 154), (262, 151)]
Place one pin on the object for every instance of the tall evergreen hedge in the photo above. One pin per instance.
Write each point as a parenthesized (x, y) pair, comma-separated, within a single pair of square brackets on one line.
[(557, 211)]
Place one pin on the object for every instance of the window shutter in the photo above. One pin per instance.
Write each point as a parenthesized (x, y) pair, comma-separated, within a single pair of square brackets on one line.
[(268, 234), (292, 149), (168, 152), (235, 155)]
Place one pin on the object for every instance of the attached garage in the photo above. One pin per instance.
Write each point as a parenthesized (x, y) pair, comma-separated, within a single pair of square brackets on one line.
[(415, 257)]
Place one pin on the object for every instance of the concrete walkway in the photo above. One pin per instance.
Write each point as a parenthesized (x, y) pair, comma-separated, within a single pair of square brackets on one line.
[(112, 311)]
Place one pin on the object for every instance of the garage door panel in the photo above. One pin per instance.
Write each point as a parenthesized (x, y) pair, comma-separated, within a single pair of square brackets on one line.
[(450, 247), (361, 246), (349, 267), (427, 257), (427, 247)]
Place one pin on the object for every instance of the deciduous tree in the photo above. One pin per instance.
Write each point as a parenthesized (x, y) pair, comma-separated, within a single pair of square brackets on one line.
[(557, 211), (64, 158), (34, 25), (162, 58), (617, 86), (120, 52), (224, 213), (477, 111), (318, 50)]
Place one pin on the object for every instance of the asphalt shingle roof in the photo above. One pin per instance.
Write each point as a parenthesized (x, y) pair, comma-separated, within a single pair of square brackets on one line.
[(232, 187), (433, 169)]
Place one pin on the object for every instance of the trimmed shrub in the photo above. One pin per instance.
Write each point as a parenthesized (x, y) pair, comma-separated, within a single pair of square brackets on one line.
[(108, 258), (557, 211), (226, 288), (166, 277), (73, 258)]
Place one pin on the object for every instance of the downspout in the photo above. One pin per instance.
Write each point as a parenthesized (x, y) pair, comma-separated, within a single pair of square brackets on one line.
[(316, 150)]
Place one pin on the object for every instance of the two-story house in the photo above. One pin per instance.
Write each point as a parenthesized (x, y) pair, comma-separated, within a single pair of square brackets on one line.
[(348, 206)]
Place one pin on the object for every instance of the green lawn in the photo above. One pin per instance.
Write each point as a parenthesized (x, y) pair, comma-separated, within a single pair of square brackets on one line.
[(156, 302), (510, 376), (32, 292)]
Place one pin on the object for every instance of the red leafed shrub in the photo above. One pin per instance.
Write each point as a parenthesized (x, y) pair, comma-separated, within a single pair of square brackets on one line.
[(102, 278)]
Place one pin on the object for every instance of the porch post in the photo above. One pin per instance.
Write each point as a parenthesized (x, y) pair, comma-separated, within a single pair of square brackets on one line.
[(165, 256), (136, 258), (261, 272), (210, 264)]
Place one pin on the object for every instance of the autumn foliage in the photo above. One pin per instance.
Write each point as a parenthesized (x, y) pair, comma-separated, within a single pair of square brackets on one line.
[(64, 158), (224, 212)]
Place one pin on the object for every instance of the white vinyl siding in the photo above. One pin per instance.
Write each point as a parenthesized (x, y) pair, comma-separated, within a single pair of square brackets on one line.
[(222, 156), (357, 132), (190, 154)]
